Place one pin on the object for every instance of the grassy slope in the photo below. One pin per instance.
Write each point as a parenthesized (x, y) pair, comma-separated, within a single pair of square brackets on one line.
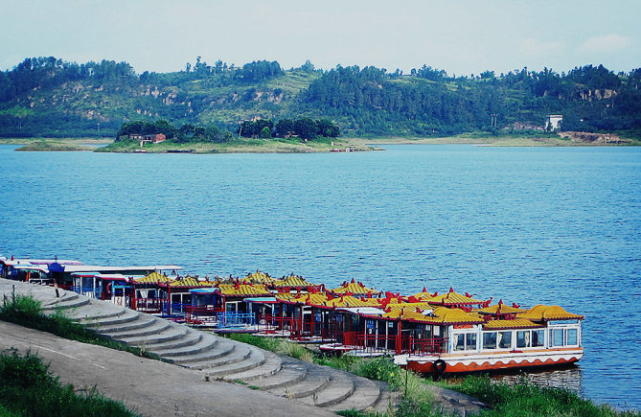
[(239, 146), (53, 146)]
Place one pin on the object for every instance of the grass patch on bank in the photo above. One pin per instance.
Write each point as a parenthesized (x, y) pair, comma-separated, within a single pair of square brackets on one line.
[(523, 399), (44, 146), (26, 311), (28, 389)]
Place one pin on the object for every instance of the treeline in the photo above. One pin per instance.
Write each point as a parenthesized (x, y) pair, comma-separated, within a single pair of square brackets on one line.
[(371, 101), (51, 97), (304, 128), (187, 133)]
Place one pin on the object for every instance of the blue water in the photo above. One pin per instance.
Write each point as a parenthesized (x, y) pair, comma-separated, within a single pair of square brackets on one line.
[(529, 225)]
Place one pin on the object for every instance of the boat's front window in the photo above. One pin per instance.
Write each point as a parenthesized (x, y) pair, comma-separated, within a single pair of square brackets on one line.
[(572, 337), (464, 341), (538, 338), (470, 341), (459, 341), (505, 340), (489, 340), (556, 336), (523, 339)]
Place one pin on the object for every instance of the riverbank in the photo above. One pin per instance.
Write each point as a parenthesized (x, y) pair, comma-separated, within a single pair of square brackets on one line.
[(564, 139)]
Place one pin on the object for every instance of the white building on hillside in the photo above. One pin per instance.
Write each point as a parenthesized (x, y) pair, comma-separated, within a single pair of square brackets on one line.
[(553, 122)]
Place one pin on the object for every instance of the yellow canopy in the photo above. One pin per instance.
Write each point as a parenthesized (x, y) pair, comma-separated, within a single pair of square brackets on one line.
[(446, 315), (350, 301), (545, 313), (154, 278), (190, 282), (293, 281), (259, 278), (440, 316), (307, 298), (501, 309), (354, 288), (511, 324), (452, 298), (243, 290)]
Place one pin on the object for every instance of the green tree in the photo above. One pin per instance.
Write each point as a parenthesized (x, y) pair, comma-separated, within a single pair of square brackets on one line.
[(306, 128), (266, 133)]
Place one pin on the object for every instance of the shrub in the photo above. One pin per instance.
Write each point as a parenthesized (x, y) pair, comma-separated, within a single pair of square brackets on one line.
[(27, 388)]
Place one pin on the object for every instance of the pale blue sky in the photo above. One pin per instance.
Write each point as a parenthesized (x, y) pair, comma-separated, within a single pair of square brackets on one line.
[(459, 36)]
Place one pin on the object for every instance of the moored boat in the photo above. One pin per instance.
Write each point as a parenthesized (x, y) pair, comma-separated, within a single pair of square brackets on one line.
[(450, 333)]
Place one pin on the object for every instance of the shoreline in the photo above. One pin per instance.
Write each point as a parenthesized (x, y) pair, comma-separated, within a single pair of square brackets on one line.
[(344, 145)]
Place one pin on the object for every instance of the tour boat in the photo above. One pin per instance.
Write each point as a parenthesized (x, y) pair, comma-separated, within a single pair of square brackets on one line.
[(542, 336)]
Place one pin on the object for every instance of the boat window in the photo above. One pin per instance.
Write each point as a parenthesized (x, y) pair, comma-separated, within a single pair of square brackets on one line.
[(505, 340), (470, 341), (556, 336), (459, 341), (538, 338), (489, 340), (523, 339), (572, 337)]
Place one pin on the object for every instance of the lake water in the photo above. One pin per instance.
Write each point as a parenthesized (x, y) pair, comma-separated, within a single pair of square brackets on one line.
[(529, 225)]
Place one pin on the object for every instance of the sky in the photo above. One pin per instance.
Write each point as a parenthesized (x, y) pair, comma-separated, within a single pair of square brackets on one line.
[(462, 37)]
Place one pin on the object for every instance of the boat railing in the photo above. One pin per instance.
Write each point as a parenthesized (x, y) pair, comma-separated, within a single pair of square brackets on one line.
[(235, 319), (428, 346), (367, 340), (200, 314), (270, 324), (148, 305), (174, 310), (392, 343)]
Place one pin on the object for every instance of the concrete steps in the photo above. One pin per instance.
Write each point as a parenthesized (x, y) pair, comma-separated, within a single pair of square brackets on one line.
[(152, 326), (224, 359), (339, 388), (315, 381), (285, 377), (95, 312), (272, 365), (365, 395), (113, 326), (252, 360), (67, 302), (187, 339), (171, 334)]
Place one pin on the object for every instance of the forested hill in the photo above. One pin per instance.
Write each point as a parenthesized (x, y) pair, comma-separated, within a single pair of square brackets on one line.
[(54, 98)]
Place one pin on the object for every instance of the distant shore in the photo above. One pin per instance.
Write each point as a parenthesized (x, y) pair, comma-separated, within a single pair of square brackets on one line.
[(283, 146)]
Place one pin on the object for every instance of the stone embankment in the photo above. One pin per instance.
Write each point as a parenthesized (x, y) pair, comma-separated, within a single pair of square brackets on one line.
[(218, 359)]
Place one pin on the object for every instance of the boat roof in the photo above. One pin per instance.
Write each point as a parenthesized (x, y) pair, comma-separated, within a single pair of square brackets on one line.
[(19, 261), (113, 277), (262, 300), (367, 311), (546, 313), (293, 281), (30, 267), (354, 288), (100, 269), (209, 290), (511, 324)]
